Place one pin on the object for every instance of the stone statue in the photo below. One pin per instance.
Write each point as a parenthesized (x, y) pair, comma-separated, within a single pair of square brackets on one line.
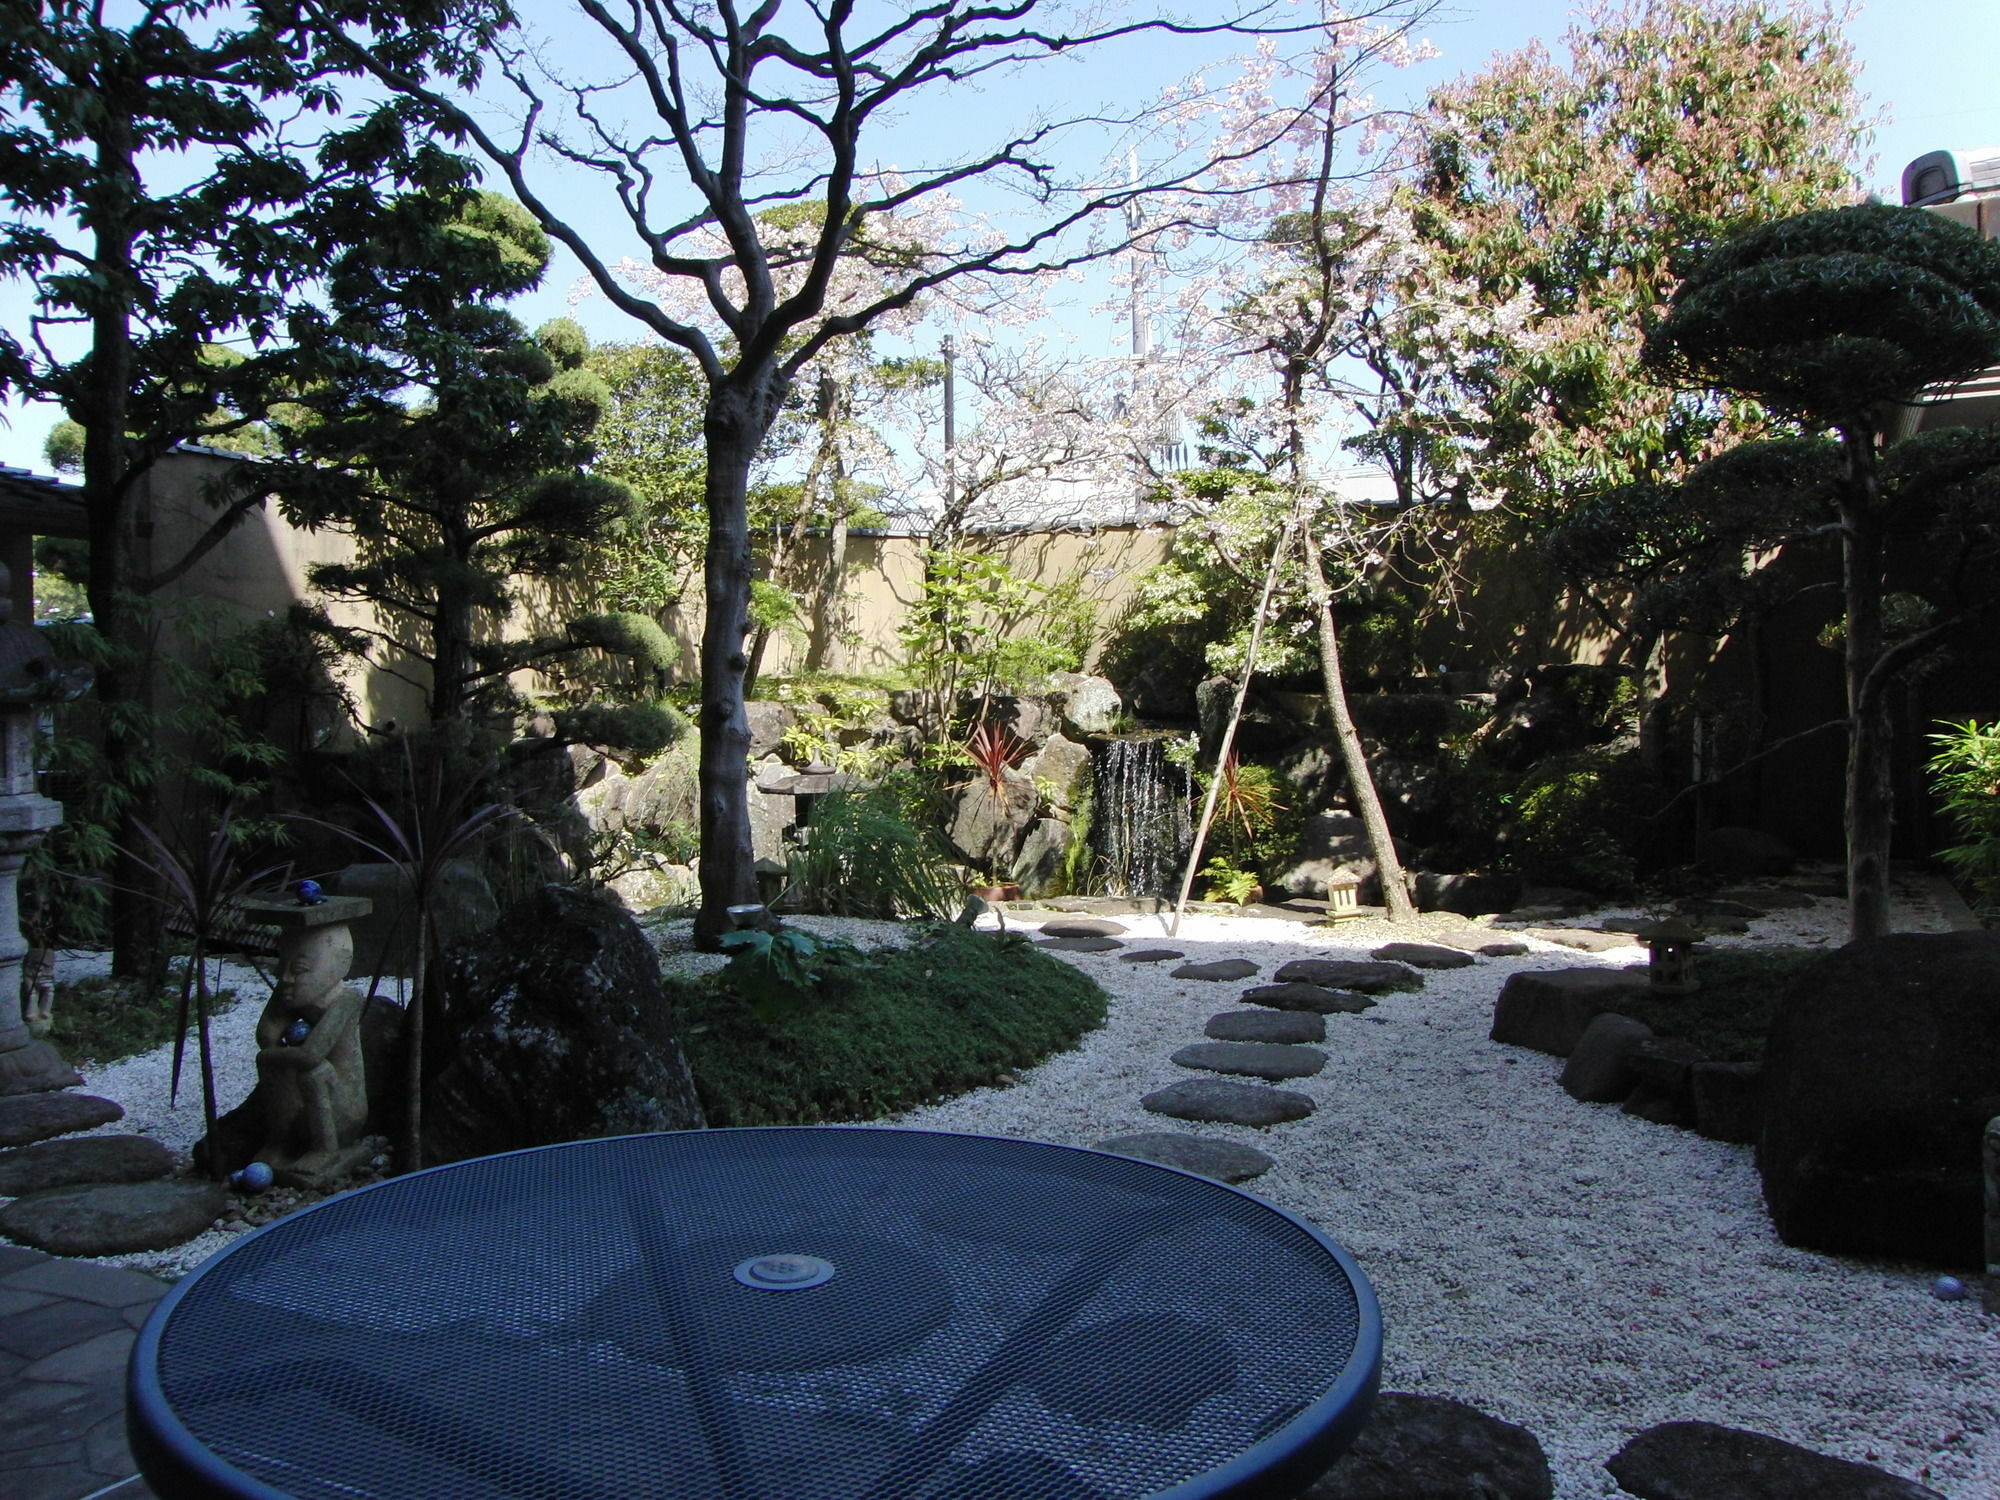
[(309, 1062)]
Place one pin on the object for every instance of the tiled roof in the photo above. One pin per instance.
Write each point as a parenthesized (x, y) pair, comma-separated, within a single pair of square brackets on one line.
[(36, 503)]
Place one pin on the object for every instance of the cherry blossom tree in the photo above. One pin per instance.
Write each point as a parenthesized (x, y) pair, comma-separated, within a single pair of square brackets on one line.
[(704, 119)]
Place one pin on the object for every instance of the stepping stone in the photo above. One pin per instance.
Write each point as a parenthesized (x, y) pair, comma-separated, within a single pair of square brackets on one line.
[(1271, 1060), (1079, 944), (1678, 1459), (1352, 974), (1700, 908), (1316, 998), (1225, 1161), (90, 1158), (1486, 944), (1581, 938), (1223, 1103), (1768, 897), (1632, 925), (1218, 969), (37, 1117), (1150, 955), (1423, 955), (1439, 1448), (113, 1219), (1082, 927), (1266, 1026)]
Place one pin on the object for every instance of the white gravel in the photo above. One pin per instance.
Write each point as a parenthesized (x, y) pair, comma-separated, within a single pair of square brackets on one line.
[(1563, 1266)]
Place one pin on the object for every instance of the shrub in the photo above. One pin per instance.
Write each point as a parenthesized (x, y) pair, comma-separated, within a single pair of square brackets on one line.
[(1580, 819), (864, 857), (941, 1016), (1965, 773)]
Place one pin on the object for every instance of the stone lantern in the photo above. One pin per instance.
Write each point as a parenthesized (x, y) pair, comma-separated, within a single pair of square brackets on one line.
[(1670, 948), (30, 676)]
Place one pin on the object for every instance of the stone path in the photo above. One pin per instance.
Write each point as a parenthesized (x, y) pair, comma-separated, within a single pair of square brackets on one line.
[(66, 1330)]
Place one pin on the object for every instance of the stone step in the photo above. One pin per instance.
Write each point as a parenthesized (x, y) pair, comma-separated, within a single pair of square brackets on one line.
[(1268, 1060), (1424, 955), (25, 1118), (1150, 955), (1224, 1103), (88, 1158), (115, 1218), (1266, 1026), (1352, 974), (1218, 969), (1083, 927), (1079, 944), (1314, 998), (1225, 1161)]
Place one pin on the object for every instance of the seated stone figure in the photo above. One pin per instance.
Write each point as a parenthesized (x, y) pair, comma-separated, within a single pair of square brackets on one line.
[(309, 1066)]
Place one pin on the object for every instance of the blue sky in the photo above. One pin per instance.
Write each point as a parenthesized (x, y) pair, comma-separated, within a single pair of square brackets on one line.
[(1929, 63)]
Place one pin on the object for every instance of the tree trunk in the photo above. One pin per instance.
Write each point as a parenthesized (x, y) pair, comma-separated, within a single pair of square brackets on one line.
[(1360, 781), (826, 604), (1870, 787), (111, 508), (738, 415)]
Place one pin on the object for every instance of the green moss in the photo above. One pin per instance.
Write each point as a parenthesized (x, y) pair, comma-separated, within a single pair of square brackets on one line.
[(1730, 1015), (100, 1020), (942, 1016)]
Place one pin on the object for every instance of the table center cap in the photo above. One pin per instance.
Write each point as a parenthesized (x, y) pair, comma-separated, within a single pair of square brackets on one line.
[(784, 1273)]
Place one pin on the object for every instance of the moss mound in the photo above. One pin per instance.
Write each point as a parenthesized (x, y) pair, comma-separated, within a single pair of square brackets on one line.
[(944, 1015), (1729, 1016)]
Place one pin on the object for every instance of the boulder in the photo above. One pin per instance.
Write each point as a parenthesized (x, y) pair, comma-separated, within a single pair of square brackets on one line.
[(1706, 1461), (90, 1158), (1548, 1009), (1265, 725), (1225, 1161), (768, 723), (113, 1218), (1726, 1101), (1881, 1069), (36, 1117), (1599, 1070), (1064, 768), (1469, 895), (1434, 1448), (1088, 705), (988, 830), (1039, 864), (560, 1032), (1351, 974), (1663, 1067), (385, 941), (667, 794), (771, 813), (1742, 853), (1159, 690), (1329, 844)]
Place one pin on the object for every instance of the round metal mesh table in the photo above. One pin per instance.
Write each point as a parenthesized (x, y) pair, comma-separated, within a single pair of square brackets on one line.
[(828, 1313)]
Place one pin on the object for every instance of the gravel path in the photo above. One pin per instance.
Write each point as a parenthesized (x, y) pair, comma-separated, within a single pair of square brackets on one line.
[(1560, 1265)]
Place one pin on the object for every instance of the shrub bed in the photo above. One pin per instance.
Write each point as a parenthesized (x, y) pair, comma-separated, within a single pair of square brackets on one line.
[(946, 1014), (101, 1020), (1729, 1016)]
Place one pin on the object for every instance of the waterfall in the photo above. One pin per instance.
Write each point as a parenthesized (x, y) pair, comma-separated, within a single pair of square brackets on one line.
[(1142, 824)]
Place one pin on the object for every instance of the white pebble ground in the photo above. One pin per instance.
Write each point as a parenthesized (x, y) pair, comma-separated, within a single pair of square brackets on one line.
[(1560, 1265)]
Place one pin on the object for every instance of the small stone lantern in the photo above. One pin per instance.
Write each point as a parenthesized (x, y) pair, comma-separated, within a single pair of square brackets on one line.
[(1670, 964), (1343, 897), (30, 676)]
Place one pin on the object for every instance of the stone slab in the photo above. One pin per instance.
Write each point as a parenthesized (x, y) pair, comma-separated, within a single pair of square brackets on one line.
[(1080, 944), (108, 1286), (1375, 978), (1217, 1101), (91, 1158), (1270, 1060), (1083, 927), (1219, 970), (1266, 1026), (114, 1219), (1548, 1009), (1225, 1161), (99, 1357), (1316, 998), (1485, 942), (1583, 939), (1150, 955), (56, 1325), (1434, 1448), (25, 1118), (1423, 955)]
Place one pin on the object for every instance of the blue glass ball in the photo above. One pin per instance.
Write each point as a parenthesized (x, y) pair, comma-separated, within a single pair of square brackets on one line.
[(309, 893), (1949, 1289), (296, 1033), (253, 1178)]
